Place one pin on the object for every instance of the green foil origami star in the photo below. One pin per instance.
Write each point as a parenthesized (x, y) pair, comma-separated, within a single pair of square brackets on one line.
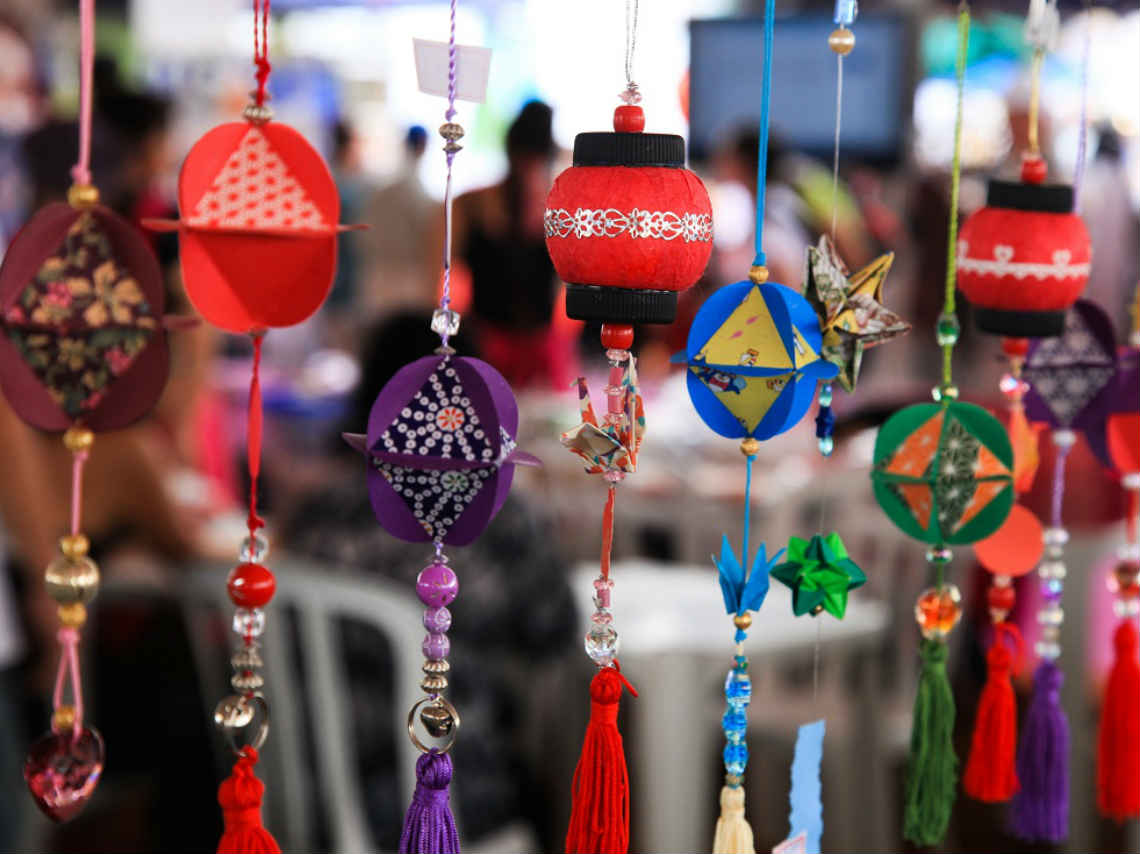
[(820, 574)]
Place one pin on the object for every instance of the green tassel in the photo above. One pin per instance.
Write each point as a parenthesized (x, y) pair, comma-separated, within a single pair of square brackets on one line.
[(932, 776)]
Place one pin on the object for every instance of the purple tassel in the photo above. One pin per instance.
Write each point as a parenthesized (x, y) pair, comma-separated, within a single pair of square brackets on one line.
[(1040, 811), (429, 827)]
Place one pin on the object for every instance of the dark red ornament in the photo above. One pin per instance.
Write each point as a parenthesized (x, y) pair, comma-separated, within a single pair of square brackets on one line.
[(627, 226), (251, 585), (1001, 598), (1023, 259)]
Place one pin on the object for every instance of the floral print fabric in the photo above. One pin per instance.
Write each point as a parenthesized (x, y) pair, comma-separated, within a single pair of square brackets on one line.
[(82, 320)]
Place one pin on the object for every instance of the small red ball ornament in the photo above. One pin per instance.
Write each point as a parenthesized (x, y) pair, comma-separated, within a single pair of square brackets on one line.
[(627, 226), (1023, 259), (251, 585)]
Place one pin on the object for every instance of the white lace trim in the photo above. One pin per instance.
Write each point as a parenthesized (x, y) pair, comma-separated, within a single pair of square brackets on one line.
[(610, 222), (1004, 265)]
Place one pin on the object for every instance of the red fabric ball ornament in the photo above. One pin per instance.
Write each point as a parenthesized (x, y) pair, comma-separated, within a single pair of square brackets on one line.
[(251, 585), (627, 226), (259, 223), (1023, 259)]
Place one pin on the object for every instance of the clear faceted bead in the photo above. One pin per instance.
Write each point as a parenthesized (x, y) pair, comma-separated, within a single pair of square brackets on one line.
[(825, 396), (1064, 438), (249, 621), (1054, 615), (947, 330), (734, 722), (602, 644), (602, 617), (826, 445), (1123, 608), (1054, 586), (1055, 536), (444, 321), (735, 757), (738, 688), (254, 550), (1050, 650), (1052, 569)]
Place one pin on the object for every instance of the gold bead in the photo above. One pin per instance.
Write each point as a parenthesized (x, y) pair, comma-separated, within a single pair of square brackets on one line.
[(750, 447), (74, 545), (817, 610), (63, 719), (257, 114), (758, 274), (842, 41), (82, 196), (72, 579), (72, 615), (78, 439), (434, 683), (436, 666), (742, 621)]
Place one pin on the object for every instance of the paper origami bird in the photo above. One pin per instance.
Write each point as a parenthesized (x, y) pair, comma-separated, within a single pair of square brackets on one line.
[(852, 317), (609, 447), (820, 575), (743, 591), (753, 357)]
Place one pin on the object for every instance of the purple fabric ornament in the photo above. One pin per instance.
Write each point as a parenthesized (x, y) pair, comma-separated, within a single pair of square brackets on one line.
[(1071, 376), (429, 827), (441, 449), (1040, 810)]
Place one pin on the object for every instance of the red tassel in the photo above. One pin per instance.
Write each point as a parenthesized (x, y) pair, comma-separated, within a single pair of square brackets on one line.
[(1118, 762), (991, 775), (599, 811), (240, 797)]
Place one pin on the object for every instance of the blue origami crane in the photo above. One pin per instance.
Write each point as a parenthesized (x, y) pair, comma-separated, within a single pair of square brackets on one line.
[(743, 592)]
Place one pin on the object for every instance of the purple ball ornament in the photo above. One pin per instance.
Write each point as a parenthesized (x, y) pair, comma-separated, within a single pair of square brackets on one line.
[(437, 586), (441, 449)]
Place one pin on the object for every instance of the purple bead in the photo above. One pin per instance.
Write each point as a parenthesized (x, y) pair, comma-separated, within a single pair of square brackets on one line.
[(437, 585), (436, 646), (437, 619)]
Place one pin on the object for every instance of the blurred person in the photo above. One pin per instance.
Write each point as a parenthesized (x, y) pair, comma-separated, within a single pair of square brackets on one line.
[(22, 108), (498, 236), (353, 188), (513, 618), (397, 269)]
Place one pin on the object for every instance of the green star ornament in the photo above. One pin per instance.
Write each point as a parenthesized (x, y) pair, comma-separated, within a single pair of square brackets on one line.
[(820, 574)]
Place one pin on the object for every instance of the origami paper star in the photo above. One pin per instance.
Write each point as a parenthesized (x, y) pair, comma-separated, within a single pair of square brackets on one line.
[(851, 314), (743, 592), (820, 574), (609, 447)]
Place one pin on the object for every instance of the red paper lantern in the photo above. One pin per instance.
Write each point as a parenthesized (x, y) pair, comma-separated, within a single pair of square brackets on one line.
[(259, 223), (627, 226), (1023, 259)]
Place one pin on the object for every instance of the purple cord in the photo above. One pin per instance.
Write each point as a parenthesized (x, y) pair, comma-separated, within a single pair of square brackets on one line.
[(1059, 484), (445, 297), (1082, 141)]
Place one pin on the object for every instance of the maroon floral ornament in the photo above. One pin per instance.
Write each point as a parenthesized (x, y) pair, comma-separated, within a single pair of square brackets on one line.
[(81, 305)]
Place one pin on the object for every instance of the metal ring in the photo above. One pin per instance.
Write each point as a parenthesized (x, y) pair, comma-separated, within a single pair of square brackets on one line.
[(235, 713), (433, 701)]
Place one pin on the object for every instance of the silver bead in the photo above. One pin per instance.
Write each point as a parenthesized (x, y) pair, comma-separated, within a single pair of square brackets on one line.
[(451, 131), (1124, 608), (1053, 615), (1048, 650), (246, 658), (257, 113), (941, 555), (1129, 552), (452, 147), (1052, 569), (247, 682), (1055, 536), (1131, 480), (1064, 438)]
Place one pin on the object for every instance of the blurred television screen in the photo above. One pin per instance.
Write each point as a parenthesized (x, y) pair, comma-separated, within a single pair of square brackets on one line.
[(726, 75)]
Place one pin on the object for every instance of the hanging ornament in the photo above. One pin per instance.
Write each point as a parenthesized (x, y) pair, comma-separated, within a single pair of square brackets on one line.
[(256, 196), (257, 235), (1023, 259), (942, 472), (1118, 753), (83, 349), (820, 575), (1011, 551), (441, 452), (627, 228), (851, 314)]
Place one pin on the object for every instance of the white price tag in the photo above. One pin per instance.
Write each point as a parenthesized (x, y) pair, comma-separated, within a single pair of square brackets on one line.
[(472, 67)]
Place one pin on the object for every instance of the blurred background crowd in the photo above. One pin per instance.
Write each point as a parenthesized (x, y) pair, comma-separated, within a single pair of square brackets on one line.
[(163, 498)]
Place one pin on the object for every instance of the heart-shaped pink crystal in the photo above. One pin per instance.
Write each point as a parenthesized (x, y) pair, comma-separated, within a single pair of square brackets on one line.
[(62, 770)]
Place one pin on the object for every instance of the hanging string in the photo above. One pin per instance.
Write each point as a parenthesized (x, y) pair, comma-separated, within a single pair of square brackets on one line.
[(762, 153), (69, 671), (1035, 99), (949, 305), (751, 458), (835, 157), (608, 530), (1058, 484), (261, 48), (81, 171), (1082, 138), (79, 458), (631, 94), (451, 148), (253, 446)]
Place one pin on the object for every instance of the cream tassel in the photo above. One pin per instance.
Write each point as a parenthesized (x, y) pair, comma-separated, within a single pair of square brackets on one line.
[(733, 833)]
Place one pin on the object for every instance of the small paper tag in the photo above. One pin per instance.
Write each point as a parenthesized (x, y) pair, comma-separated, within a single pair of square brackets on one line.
[(793, 844), (472, 67)]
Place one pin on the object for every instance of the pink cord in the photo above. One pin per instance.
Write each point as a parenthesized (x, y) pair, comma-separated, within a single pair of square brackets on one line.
[(69, 661), (77, 489), (81, 172)]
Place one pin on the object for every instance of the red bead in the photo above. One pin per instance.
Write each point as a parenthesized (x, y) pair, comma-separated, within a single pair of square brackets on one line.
[(617, 336), (629, 118), (251, 585), (1015, 346), (1001, 598), (1034, 169)]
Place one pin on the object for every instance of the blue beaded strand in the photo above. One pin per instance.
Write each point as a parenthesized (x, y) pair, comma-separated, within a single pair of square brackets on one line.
[(825, 422), (737, 695)]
